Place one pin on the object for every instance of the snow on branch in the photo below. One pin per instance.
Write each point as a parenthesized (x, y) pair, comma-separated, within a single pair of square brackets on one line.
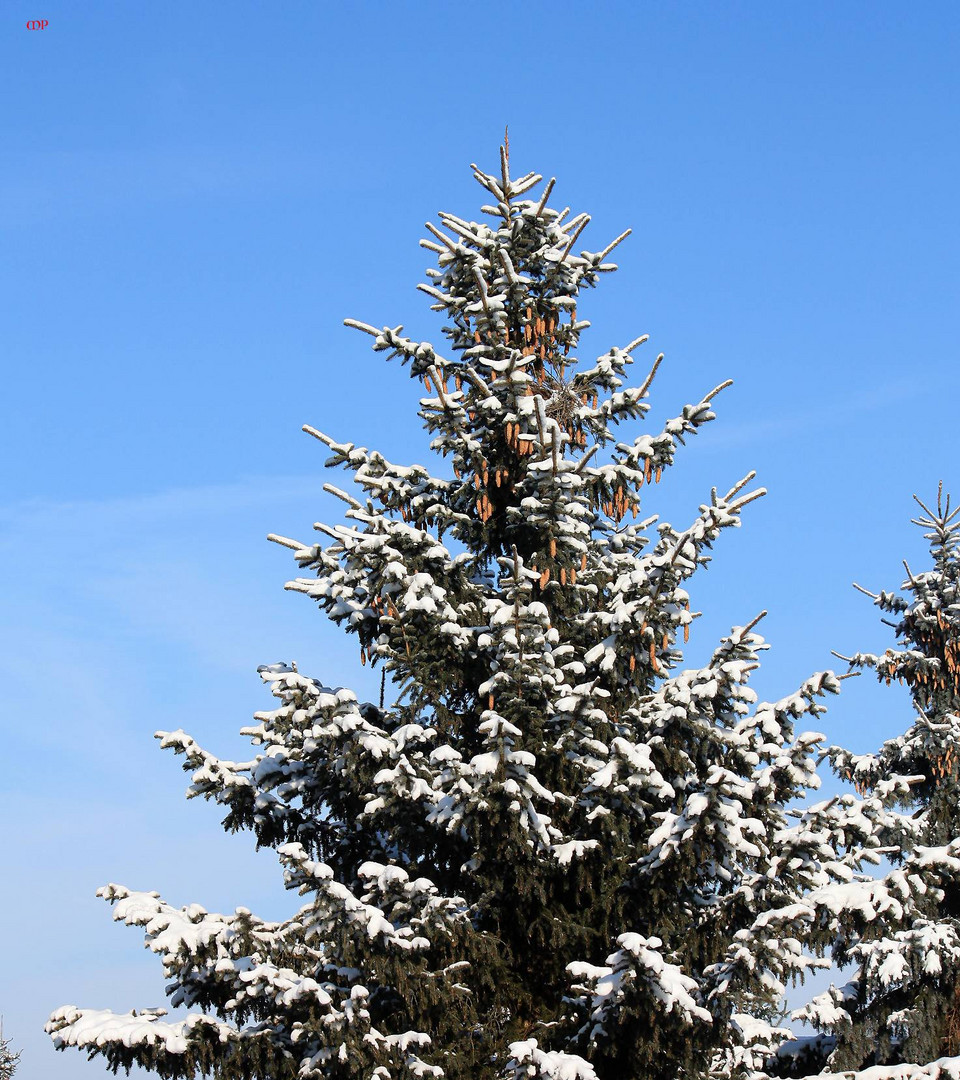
[(529, 1062)]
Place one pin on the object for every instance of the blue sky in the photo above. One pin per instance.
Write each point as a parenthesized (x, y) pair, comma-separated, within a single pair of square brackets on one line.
[(193, 197)]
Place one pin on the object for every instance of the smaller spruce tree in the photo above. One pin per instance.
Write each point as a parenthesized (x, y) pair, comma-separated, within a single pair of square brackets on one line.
[(9, 1059), (900, 932)]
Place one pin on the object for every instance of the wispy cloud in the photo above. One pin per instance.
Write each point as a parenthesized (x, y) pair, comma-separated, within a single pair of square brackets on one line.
[(783, 421)]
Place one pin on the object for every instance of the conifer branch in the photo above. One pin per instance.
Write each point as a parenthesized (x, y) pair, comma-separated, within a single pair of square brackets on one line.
[(505, 168), (327, 530), (365, 327), (641, 340), (546, 195), (433, 291), (514, 356), (574, 221), (523, 185), (573, 239), (454, 225), (645, 386), (471, 376), (343, 496), (516, 620), (581, 464), (482, 286), (540, 413), (325, 439), (285, 541), (716, 390), (438, 383), (486, 181), (447, 243), (737, 506), (619, 240), (740, 485), (508, 267), (926, 509), (866, 592)]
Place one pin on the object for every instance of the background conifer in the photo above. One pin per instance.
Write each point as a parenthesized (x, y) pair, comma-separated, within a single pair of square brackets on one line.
[(9, 1059), (901, 932)]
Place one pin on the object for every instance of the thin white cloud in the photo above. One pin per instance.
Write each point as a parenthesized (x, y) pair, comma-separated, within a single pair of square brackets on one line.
[(830, 408)]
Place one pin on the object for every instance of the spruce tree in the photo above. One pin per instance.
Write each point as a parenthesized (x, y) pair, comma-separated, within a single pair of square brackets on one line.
[(901, 931), (9, 1058), (549, 850)]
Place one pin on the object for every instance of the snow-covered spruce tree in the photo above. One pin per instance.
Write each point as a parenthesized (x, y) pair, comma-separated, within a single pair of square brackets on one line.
[(9, 1058), (901, 933), (555, 854)]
